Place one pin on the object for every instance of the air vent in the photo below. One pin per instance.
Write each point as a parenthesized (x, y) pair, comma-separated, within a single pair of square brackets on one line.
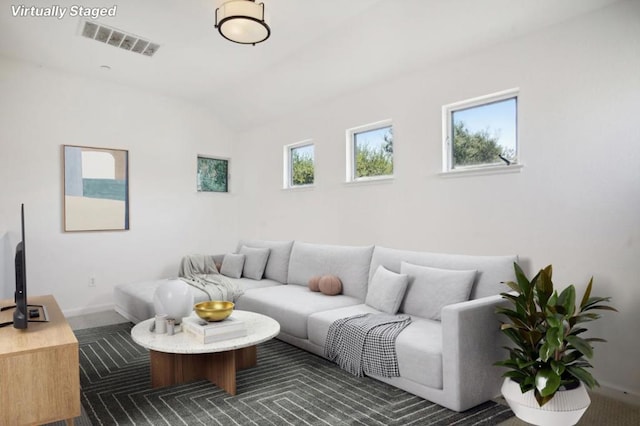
[(118, 38)]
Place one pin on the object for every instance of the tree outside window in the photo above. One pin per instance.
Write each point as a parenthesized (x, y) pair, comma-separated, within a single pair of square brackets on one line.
[(372, 150), (301, 165), (483, 133)]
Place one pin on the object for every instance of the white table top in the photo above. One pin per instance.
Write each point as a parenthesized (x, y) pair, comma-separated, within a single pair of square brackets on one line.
[(260, 328)]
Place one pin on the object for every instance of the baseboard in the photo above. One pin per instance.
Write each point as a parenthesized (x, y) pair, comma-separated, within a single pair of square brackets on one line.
[(87, 310), (613, 392)]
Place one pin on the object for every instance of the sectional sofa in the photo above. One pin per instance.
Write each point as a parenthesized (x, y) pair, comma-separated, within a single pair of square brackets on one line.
[(445, 355)]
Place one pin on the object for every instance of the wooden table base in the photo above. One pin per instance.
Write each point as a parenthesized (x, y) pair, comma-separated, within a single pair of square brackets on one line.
[(219, 367)]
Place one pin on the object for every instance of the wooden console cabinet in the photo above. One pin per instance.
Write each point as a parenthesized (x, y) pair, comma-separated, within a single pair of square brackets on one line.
[(39, 369)]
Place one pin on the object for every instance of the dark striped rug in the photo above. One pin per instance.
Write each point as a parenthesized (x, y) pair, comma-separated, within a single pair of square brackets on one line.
[(288, 387)]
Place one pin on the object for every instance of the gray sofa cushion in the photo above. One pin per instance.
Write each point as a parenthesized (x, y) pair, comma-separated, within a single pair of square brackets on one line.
[(251, 284), (278, 263), (431, 289), (232, 265), (291, 305), (492, 270), (255, 260), (350, 264), (418, 347), (419, 350), (386, 291)]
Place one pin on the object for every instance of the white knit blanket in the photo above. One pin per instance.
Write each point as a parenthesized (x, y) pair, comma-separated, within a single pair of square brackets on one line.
[(200, 272), (366, 343)]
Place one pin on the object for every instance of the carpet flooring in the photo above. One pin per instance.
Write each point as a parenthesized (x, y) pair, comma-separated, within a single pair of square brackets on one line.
[(288, 387)]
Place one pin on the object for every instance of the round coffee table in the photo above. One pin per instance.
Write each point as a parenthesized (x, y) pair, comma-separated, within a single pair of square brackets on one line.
[(180, 358)]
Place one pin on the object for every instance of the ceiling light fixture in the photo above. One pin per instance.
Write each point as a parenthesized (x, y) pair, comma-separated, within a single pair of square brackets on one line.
[(242, 21)]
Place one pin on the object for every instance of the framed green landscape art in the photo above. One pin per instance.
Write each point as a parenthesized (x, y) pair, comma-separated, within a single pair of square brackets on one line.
[(96, 189), (213, 174)]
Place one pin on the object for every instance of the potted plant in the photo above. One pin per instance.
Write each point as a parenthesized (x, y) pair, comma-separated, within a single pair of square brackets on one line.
[(548, 358)]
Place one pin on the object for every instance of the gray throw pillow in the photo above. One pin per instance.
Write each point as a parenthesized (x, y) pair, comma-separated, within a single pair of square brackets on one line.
[(431, 289), (279, 252), (255, 260), (232, 265), (386, 290)]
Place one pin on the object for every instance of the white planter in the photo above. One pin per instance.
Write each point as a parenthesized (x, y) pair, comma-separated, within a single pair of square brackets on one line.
[(565, 408), (173, 298)]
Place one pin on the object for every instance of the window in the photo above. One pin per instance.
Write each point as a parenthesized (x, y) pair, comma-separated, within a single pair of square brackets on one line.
[(299, 164), (370, 152), (213, 174), (481, 133)]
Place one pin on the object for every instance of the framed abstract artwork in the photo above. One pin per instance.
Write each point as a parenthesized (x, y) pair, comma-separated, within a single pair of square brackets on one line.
[(213, 174), (96, 189)]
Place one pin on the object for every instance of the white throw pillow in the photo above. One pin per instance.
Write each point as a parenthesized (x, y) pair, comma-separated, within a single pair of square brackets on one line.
[(431, 289), (255, 260), (386, 290), (232, 265)]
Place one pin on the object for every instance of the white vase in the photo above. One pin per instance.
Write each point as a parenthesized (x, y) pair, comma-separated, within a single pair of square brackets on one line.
[(564, 409), (174, 299)]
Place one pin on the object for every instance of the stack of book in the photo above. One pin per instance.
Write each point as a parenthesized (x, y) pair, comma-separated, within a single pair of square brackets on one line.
[(209, 332)]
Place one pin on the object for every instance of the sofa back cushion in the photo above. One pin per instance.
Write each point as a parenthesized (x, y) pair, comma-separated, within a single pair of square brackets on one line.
[(431, 289), (491, 270), (255, 261), (350, 264), (278, 262)]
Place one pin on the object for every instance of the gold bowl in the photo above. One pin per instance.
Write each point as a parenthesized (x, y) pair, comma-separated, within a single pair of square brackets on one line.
[(214, 310)]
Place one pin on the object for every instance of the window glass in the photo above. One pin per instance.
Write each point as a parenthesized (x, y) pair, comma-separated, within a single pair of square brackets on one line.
[(372, 152), (484, 134), (301, 169)]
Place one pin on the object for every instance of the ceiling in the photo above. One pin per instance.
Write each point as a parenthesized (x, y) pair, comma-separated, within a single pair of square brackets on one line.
[(317, 50)]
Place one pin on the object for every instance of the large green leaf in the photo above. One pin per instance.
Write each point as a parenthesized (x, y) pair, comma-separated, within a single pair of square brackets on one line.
[(571, 356), (601, 307), (524, 286), (546, 351), (554, 321), (555, 337), (587, 294), (593, 301), (577, 330), (558, 367), (513, 286), (542, 399), (585, 318), (583, 375), (567, 300), (580, 345), (544, 286), (547, 382)]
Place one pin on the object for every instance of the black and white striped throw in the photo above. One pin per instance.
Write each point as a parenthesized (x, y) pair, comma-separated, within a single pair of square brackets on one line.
[(366, 343)]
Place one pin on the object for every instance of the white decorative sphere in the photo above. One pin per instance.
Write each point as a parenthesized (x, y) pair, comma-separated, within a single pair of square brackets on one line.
[(174, 299)]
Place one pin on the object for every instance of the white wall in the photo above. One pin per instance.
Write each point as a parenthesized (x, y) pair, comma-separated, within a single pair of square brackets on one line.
[(576, 203), (6, 284), (40, 110)]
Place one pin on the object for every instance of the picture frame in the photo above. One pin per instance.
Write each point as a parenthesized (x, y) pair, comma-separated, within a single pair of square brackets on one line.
[(212, 174), (96, 189)]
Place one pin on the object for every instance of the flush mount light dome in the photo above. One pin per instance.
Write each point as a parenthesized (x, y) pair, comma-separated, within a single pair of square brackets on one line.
[(242, 21)]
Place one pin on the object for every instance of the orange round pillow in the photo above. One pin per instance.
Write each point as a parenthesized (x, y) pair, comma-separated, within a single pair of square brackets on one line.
[(330, 285), (314, 283)]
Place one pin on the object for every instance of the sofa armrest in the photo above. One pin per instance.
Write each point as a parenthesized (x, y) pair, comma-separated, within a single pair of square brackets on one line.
[(472, 342)]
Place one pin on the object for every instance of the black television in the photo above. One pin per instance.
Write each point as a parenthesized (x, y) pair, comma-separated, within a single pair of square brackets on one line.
[(23, 313), (20, 315)]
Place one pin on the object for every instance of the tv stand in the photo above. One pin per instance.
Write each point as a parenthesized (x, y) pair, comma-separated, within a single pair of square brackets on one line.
[(39, 369), (42, 308)]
